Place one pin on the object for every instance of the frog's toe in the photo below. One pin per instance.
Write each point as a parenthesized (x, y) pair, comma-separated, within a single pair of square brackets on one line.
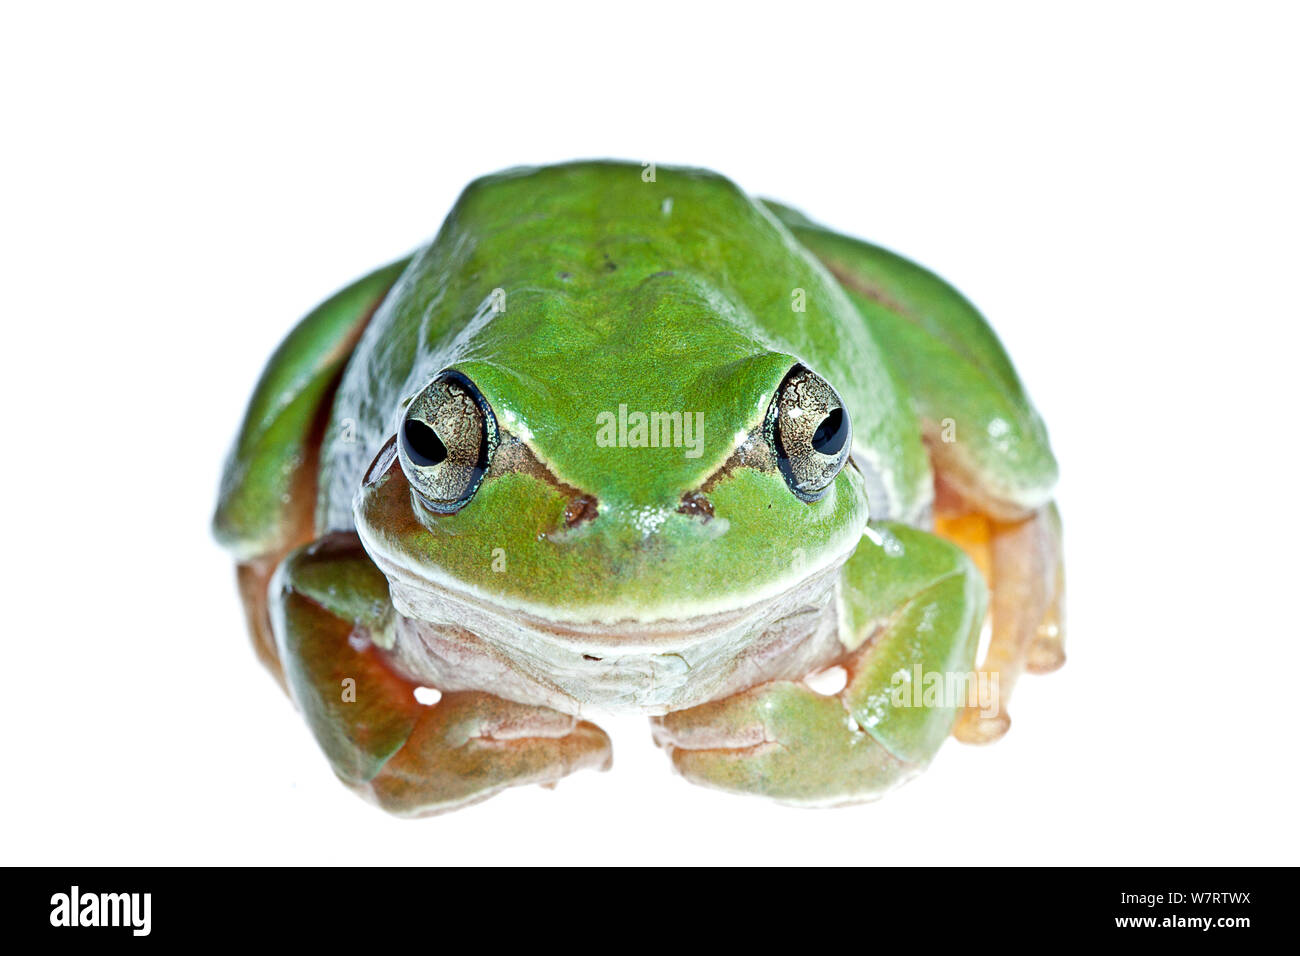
[(1024, 564), (1046, 651)]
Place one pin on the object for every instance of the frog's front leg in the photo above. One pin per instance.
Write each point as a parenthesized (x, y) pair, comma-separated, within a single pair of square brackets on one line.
[(332, 617), (912, 606)]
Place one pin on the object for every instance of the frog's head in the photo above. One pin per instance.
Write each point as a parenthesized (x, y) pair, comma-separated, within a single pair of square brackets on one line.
[(676, 475)]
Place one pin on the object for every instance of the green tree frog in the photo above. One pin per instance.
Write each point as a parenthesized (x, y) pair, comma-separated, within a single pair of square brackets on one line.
[(624, 438)]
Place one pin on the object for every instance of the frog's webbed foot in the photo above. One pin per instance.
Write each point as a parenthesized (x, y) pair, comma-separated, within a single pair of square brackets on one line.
[(1023, 563), (912, 609), (331, 613)]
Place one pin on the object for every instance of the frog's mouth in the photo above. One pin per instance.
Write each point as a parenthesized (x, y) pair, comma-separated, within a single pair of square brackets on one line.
[(456, 640), (417, 597)]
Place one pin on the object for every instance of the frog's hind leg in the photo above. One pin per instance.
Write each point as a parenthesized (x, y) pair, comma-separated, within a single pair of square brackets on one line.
[(333, 618), (1022, 561), (253, 578), (268, 489), (995, 473)]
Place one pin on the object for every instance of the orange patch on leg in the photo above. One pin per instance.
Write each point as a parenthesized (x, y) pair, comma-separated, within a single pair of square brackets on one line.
[(973, 534)]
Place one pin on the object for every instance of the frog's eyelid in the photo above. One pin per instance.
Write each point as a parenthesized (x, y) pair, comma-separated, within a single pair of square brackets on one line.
[(382, 461)]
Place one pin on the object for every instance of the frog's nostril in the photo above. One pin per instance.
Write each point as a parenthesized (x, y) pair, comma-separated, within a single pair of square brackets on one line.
[(580, 509), (696, 505)]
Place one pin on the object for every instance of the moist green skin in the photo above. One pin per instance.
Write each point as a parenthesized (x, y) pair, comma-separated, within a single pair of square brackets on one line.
[(676, 295), (273, 444), (704, 588), (957, 371)]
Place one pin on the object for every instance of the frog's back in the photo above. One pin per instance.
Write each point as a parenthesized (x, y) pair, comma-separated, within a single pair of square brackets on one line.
[(589, 285)]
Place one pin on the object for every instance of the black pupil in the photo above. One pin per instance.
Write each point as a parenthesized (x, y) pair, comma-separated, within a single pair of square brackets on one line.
[(831, 433), (423, 446)]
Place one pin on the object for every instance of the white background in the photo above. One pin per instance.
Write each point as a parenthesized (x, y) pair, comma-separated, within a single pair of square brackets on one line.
[(1114, 186)]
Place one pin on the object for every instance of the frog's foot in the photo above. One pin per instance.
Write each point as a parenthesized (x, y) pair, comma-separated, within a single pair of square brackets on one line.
[(781, 740), (912, 608), (1023, 563), (331, 616)]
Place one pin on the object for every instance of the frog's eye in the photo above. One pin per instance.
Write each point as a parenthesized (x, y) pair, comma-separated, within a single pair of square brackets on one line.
[(808, 426), (446, 441)]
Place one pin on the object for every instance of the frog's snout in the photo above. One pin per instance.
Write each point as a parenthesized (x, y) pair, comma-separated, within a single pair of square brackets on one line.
[(583, 508), (638, 522)]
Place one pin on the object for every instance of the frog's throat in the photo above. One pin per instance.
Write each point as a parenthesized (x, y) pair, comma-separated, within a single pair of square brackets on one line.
[(455, 640)]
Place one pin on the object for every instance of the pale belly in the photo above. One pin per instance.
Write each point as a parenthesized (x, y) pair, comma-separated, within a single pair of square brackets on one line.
[(453, 642)]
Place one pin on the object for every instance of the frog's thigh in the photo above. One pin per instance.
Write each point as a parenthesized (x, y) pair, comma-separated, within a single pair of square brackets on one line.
[(330, 611), (912, 608), (1023, 562), (268, 490), (253, 578), (253, 575)]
